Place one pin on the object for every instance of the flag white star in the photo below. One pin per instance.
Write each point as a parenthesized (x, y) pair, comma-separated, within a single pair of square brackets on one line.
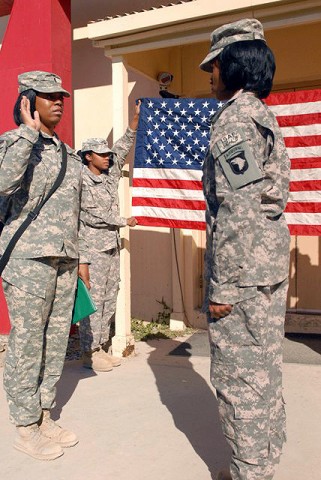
[(177, 104), (191, 104), (205, 104), (150, 104)]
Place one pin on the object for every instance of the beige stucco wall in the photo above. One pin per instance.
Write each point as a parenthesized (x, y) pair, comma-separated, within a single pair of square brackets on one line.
[(298, 55)]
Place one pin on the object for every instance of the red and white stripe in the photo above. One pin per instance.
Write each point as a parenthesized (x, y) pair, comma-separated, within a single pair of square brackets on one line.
[(299, 117), (170, 198)]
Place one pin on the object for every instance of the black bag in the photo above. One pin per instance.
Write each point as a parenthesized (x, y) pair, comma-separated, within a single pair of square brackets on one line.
[(34, 213)]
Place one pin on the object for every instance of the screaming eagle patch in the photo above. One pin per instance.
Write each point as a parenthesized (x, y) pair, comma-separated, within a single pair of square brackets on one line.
[(236, 159)]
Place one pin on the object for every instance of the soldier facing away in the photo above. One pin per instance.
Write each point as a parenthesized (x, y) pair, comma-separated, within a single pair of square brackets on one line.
[(101, 220), (39, 280), (245, 180)]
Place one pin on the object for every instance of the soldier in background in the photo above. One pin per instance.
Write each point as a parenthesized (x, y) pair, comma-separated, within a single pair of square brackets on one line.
[(245, 181), (100, 215), (39, 280)]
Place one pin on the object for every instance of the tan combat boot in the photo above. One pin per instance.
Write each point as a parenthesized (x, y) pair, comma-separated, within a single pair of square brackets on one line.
[(224, 475), (115, 361), (50, 429), (30, 440), (96, 361)]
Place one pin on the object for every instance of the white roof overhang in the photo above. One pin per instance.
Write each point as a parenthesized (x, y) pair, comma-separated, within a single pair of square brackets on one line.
[(191, 22)]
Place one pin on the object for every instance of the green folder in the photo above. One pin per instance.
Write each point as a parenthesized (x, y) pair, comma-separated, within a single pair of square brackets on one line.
[(84, 304)]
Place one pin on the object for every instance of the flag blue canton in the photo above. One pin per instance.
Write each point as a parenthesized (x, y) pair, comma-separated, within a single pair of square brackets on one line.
[(174, 133)]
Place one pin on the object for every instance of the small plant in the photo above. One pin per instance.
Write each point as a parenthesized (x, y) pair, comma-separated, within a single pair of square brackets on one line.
[(144, 331), (164, 316)]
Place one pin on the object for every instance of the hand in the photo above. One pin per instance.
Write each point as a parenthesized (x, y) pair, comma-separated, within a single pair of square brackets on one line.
[(134, 123), (219, 310), (137, 107), (26, 117), (83, 273), (132, 222)]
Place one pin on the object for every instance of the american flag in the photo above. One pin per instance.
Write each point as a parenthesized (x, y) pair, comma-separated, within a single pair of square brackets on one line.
[(172, 140)]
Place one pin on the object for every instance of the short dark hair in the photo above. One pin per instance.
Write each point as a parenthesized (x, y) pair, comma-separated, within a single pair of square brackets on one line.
[(83, 156), (248, 64), (31, 95)]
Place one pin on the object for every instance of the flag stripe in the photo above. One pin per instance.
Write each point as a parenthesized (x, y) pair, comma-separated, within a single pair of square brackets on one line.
[(294, 120), (307, 207), (305, 185), (307, 141), (168, 193), (169, 203), (159, 183), (301, 163), (174, 213), (168, 222)]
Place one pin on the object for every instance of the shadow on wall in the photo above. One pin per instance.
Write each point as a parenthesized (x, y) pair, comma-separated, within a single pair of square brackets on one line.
[(192, 404), (151, 274), (304, 281)]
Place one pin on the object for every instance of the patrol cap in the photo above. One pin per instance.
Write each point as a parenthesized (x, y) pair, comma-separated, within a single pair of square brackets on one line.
[(245, 29), (43, 82), (97, 145)]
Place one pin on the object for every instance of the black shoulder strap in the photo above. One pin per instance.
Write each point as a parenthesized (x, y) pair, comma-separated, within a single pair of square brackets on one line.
[(35, 212)]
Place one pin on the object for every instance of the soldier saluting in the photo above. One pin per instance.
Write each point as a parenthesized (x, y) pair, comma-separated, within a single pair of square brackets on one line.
[(39, 280)]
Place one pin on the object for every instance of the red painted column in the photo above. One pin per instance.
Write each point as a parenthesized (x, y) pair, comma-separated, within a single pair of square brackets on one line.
[(38, 37)]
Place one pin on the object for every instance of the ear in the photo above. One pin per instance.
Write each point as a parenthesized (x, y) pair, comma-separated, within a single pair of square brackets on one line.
[(88, 157)]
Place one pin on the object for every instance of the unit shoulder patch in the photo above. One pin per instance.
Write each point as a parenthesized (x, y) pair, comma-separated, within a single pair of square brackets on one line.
[(236, 158)]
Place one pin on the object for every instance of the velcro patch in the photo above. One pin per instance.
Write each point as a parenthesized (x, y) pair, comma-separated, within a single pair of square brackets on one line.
[(240, 166)]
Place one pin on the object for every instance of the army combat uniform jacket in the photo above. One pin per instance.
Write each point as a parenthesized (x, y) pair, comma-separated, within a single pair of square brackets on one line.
[(245, 181), (100, 213), (29, 164)]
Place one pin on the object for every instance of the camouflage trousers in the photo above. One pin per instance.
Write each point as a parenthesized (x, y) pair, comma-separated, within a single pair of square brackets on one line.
[(40, 295), (104, 279), (246, 371)]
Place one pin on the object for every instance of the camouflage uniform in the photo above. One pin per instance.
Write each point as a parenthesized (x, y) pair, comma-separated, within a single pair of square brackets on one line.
[(102, 221), (40, 278), (246, 178)]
